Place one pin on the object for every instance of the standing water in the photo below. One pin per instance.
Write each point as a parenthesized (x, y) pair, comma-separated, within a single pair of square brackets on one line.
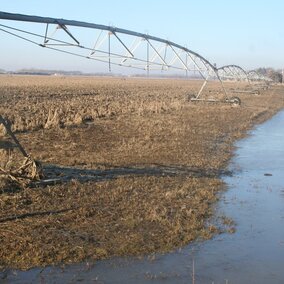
[(253, 254)]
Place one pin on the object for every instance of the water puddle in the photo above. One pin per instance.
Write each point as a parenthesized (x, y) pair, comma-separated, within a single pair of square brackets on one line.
[(254, 254)]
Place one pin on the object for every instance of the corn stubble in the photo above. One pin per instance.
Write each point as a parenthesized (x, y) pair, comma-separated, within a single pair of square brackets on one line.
[(99, 124)]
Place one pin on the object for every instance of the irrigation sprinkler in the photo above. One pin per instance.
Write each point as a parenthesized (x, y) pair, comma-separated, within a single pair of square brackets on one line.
[(238, 74), (121, 47), (260, 81), (113, 46)]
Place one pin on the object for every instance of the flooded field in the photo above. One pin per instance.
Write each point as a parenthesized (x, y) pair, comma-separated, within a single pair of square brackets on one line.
[(131, 179), (253, 254)]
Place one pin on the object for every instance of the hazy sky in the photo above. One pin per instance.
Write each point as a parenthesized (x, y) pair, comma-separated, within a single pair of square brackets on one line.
[(242, 32)]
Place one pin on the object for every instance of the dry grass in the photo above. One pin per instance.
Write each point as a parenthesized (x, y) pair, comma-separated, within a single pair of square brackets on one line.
[(145, 172), (125, 216)]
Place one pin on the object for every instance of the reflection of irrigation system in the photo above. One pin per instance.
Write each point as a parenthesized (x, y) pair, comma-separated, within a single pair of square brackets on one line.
[(122, 47)]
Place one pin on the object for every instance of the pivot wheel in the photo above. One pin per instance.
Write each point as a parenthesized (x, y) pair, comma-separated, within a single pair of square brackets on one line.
[(191, 97), (235, 101)]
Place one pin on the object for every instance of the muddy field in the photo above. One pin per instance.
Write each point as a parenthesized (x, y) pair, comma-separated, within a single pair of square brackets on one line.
[(138, 166)]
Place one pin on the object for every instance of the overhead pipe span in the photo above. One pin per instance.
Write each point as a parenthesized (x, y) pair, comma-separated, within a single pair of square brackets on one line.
[(64, 22), (167, 55)]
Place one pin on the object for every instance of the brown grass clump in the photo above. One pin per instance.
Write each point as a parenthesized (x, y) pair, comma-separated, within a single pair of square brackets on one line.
[(139, 166), (15, 168)]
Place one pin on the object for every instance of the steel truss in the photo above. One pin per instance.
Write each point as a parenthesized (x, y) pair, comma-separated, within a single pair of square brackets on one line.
[(121, 47), (237, 73), (259, 80), (257, 77), (114, 46), (233, 72)]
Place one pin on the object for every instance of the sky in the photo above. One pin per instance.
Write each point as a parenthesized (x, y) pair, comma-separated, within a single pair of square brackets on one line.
[(241, 32)]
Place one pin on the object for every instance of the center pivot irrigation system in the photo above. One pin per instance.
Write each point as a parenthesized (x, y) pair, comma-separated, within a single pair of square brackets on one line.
[(121, 47)]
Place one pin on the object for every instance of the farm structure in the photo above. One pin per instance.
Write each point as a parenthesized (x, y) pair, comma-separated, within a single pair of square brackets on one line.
[(121, 47)]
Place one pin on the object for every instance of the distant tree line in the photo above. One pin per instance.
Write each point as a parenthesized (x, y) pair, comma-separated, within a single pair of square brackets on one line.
[(275, 75)]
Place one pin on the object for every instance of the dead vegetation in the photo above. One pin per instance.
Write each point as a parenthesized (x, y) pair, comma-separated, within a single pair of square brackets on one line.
[(140, 166), (11, 169)]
